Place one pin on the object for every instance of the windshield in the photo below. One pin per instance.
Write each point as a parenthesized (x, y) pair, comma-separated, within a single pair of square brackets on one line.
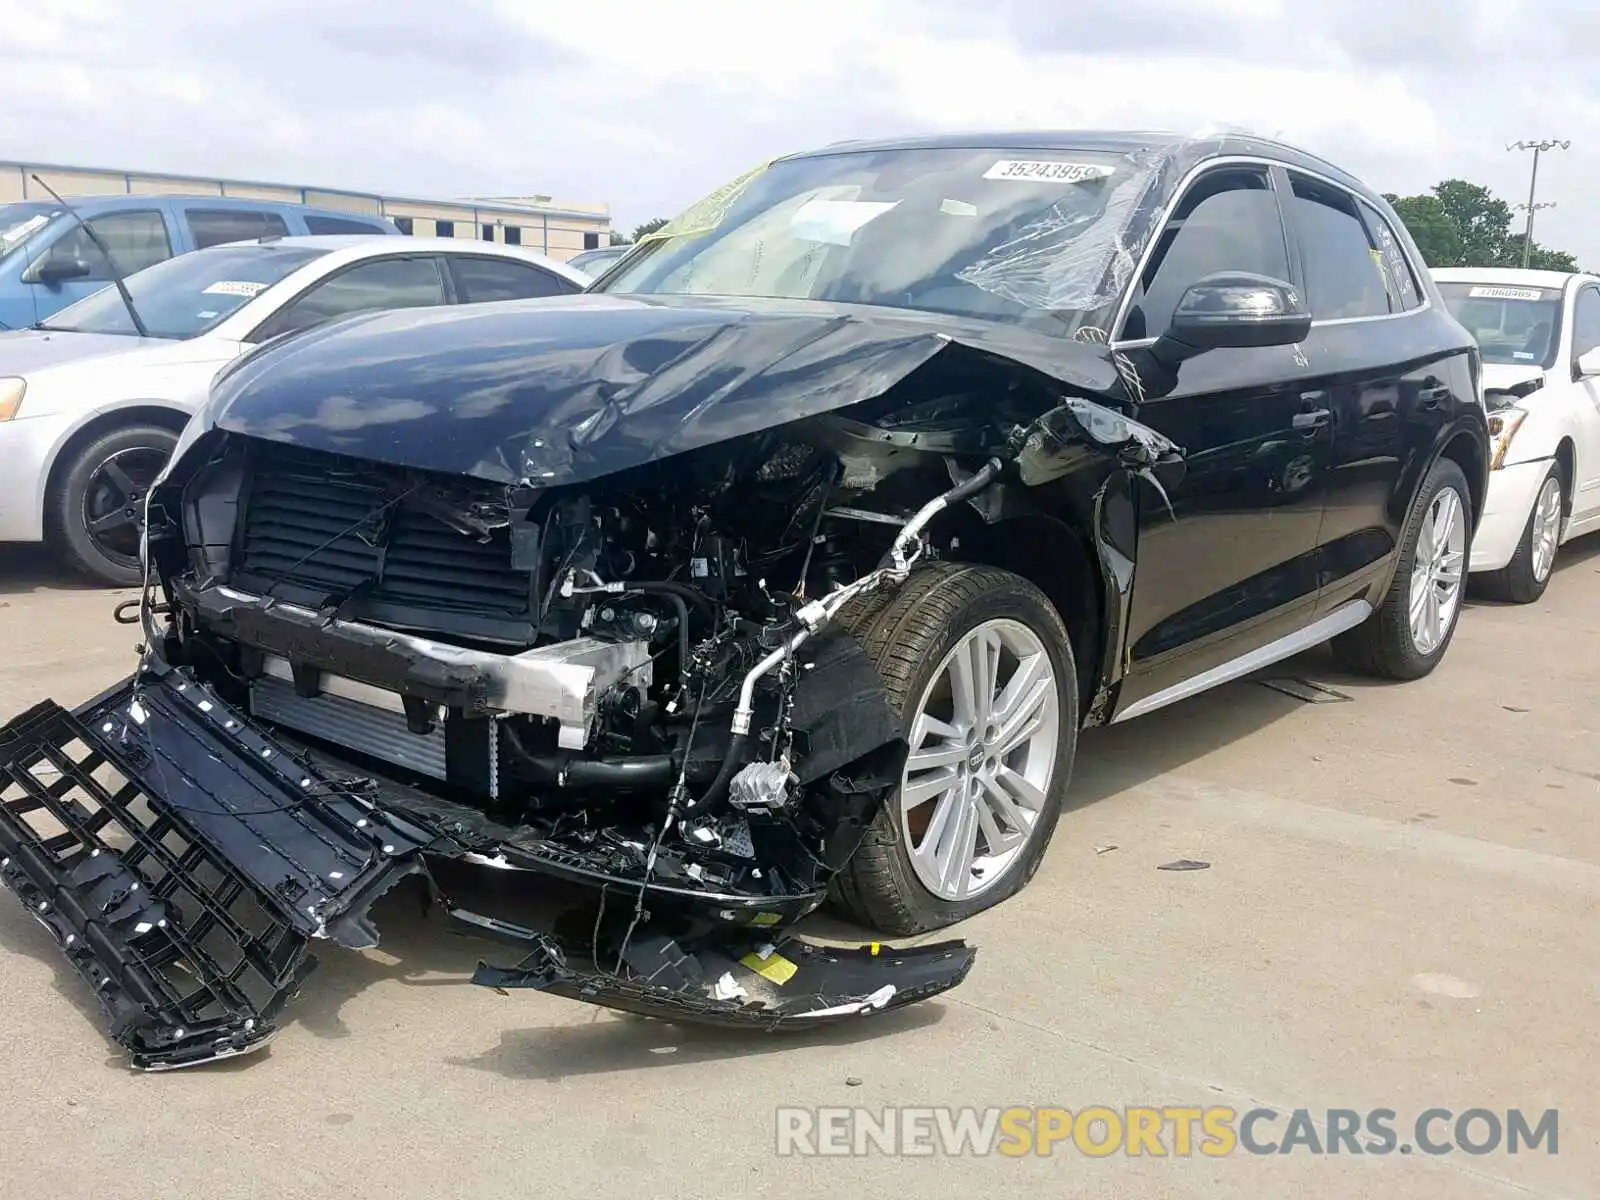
[(186, 296), (1520, 325), (1039, 238), (19, 222)]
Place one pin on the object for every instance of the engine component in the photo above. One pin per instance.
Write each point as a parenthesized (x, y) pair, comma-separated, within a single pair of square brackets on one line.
[(761, 787)]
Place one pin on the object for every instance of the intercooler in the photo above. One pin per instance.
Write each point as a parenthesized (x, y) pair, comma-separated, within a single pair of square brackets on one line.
[(367, 726)]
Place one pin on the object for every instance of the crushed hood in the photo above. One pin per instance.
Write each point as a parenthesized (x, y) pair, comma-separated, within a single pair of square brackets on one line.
[(567, 390)]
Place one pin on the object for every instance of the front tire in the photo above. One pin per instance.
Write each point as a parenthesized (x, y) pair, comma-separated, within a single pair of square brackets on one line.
[(1408, 635), (979, 665), (94, 512), (1524, 578)]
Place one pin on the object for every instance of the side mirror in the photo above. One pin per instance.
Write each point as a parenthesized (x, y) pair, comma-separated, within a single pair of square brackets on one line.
[(1235, 310), (54, 269), (1589, 363)]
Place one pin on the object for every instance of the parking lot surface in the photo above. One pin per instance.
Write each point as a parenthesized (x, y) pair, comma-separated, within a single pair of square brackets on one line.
[(1399, 912)]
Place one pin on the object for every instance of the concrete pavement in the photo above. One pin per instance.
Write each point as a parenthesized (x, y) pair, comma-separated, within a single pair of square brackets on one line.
[(1399, 912)]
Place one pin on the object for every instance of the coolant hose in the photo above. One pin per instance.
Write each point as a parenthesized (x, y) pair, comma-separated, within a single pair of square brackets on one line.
[(711, 799), (637, 772)]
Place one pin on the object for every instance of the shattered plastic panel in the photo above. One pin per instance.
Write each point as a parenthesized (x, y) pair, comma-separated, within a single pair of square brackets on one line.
[(786, 984), (188, 963)]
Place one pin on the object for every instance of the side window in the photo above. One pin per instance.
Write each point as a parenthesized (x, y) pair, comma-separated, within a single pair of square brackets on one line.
[(1398, 278), (479, 280), (1586, 322), (316, 224), (214, 226), (386, 283), (1227, 221), (444, 228), (136, 240), (1344, 271), (513, 235)]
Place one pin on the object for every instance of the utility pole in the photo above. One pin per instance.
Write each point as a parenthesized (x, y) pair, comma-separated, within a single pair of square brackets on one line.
[(1538, 148)]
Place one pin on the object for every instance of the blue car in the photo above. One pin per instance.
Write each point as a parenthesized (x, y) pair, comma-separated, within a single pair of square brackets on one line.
[(47, 261)]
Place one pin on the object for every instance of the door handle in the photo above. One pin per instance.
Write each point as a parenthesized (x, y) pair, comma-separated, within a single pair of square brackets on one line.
[(1433, 397), (1311, 420)]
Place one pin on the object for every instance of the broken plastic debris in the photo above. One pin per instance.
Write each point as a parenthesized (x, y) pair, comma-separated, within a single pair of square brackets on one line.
[(1185, 864), (728, 988), (1106, 849)]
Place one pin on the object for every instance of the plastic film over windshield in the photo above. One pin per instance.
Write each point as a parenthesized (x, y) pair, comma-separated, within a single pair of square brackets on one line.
[(1080, 253)]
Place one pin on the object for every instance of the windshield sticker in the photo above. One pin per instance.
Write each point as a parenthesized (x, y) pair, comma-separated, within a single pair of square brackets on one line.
[(232, 287), (1523, 354), (1505, 293), (958, 208), (1047, 172), (835, 222)]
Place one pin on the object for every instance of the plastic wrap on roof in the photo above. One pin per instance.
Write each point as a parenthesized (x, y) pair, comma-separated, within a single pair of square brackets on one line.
[(708, 212), (1075, 258)]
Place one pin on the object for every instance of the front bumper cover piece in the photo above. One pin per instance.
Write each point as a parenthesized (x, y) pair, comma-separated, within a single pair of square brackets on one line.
[(184, 861)]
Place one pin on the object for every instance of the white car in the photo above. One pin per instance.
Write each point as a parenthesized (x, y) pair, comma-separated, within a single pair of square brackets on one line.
[(1540, 336), (90, 410)]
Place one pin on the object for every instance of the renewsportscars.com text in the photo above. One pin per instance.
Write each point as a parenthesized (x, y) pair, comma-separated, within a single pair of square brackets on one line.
[(1161, 1131)]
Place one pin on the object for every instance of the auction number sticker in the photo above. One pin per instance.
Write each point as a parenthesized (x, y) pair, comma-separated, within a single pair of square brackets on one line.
[(232, 287), (1505, 293), (1051, 172)]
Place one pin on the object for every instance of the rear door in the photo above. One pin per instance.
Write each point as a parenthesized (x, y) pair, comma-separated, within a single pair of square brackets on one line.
[(480, 279), (1231, 568), (1382, 397)]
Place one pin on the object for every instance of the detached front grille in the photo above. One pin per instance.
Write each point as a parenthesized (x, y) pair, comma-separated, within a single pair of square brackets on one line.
[(341, 526)]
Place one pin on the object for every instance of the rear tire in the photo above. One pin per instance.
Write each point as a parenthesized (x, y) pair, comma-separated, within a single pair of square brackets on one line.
[(1388, 644), (912, 637), (94, 511), (1524, 578)]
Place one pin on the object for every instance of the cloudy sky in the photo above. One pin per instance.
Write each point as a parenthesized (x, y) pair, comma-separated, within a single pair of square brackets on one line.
[(649, 105)]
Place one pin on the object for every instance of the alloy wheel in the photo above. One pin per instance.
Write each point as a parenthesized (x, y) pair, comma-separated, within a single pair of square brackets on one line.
[(113, 501), (983, 749), (1436, 574), (1546, 528)]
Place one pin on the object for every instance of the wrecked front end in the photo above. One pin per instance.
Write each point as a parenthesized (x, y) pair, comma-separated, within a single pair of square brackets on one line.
[(642, 686)]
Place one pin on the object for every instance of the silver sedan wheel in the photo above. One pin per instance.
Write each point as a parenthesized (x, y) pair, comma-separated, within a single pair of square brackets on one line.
[(1436, 574), (983, 749), (1546, 528)]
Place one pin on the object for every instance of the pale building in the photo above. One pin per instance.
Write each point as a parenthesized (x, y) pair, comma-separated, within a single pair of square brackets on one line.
[(560, 231)]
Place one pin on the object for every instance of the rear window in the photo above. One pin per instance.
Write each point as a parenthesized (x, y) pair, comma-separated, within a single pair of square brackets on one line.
[(316, 224), (1512, 324), (214, 226)]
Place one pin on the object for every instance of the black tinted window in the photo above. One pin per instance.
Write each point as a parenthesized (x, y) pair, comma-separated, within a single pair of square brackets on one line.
[(444, 228), (340, 225), (136, 240), (387, 283), (479, 280), (1586, 322), (1228, 221), (1398, 278), (1344, 272), (214, 226)]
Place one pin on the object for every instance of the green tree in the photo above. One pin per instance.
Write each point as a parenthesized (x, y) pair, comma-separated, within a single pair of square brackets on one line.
[(1462, 224), (1431, 228), (648, 228), (1482, 221)]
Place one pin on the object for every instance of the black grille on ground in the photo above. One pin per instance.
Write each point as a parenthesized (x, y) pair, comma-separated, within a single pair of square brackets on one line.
[(337, 525)]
